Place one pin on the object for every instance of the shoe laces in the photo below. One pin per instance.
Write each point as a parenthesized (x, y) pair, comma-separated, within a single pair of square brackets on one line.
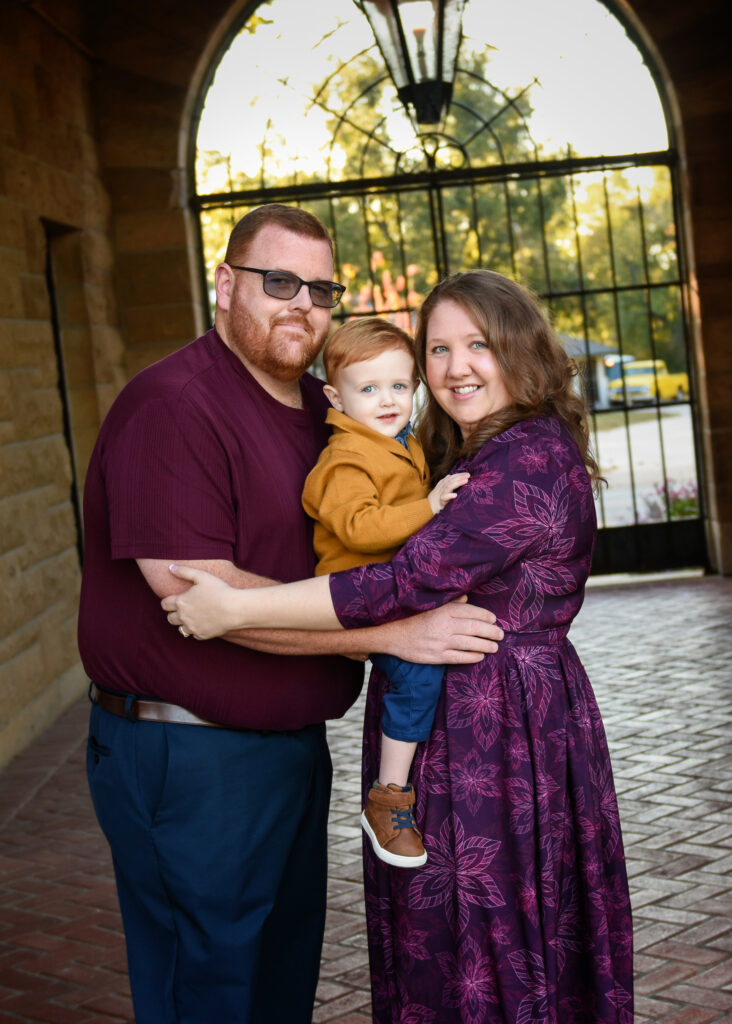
[(403, 817)]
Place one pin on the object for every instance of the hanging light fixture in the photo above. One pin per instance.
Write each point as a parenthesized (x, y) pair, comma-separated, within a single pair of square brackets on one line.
[(419, 41)]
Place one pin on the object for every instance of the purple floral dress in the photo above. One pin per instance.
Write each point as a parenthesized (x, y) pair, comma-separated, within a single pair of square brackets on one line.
[(521, 914)]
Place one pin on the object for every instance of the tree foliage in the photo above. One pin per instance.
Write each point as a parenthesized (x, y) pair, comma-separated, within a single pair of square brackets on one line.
[(599, 246)]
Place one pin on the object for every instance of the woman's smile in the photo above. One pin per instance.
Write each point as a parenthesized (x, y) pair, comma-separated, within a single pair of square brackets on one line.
[(462, 371)]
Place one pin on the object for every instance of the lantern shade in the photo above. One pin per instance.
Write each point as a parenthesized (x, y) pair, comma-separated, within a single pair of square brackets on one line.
[(419, 41)]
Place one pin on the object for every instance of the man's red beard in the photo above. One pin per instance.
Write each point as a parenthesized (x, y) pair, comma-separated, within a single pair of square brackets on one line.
[(256, 342)]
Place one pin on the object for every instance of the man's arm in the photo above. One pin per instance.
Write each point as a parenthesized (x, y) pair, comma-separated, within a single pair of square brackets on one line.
[(160, 580), (455, 634)]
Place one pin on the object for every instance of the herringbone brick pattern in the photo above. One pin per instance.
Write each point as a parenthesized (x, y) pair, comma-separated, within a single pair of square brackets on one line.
[(662, 662), (660, 657), (62, 954)]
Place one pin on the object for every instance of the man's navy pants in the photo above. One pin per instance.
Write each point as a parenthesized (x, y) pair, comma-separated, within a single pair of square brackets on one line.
[(219, 842)]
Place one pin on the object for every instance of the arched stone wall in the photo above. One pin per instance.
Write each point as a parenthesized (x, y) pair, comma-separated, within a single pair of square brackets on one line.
[(153, 63), (96, 107), (146, 103)]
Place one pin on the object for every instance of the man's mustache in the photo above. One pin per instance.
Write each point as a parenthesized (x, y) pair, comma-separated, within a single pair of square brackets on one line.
[(294, 320)]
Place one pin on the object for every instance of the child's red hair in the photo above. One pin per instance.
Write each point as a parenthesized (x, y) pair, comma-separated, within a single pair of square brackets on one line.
[(359, 340)]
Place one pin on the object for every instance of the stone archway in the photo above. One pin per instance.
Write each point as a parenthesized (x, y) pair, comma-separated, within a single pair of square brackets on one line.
[(147, 98), (672, 107)]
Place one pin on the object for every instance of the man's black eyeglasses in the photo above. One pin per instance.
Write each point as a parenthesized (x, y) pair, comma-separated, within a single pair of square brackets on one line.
[(280, 284)]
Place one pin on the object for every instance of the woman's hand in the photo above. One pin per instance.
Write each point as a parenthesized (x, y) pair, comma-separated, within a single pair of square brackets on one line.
[(213, 608), (209, 608), (446, 490)]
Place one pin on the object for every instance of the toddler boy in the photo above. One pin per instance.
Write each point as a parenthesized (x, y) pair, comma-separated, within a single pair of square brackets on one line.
[(368, 493)]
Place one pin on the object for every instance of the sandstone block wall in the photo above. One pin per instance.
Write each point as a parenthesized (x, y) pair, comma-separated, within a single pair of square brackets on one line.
[(98, 278), (53, 385)]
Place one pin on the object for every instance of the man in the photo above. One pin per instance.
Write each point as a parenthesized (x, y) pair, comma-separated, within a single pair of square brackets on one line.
[(207, 762)]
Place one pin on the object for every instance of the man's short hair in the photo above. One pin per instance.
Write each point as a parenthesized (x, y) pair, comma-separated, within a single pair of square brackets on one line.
[(291, 218), (358, 340)]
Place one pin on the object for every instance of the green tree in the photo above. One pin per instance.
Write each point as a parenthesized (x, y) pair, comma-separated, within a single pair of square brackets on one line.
[(560, 235)]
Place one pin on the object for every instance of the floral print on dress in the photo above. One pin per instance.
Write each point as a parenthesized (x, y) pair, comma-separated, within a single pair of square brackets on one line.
[(521, 914), (457, 874)]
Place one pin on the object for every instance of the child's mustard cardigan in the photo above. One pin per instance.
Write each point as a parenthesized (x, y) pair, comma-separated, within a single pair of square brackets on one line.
[(367, 494)]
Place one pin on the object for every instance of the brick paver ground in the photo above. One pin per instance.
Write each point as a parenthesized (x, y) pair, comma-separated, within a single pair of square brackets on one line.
[(660, 657)]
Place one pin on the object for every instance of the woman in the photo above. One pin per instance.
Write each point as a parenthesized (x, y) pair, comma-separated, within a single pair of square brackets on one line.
[(521, 914)]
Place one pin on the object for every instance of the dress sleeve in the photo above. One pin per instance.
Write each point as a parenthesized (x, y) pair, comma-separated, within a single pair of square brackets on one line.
[(168, 484), (513, 509), (343, 495)]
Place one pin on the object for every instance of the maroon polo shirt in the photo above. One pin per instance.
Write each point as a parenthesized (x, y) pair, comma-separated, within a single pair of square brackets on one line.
[(195, 460)]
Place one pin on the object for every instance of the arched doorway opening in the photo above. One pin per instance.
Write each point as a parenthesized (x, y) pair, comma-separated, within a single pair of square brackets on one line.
[(554, 165)]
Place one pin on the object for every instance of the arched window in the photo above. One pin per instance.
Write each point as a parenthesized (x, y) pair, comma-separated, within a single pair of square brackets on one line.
[(553, 165)]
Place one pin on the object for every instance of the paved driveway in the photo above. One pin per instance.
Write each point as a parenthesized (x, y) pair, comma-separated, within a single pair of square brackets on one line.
[(657, 446)]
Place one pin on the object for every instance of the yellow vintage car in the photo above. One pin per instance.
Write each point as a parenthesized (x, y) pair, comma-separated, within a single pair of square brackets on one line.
[(645, 380)]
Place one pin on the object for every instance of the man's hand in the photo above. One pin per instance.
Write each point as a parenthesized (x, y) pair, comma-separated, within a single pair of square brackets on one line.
[(455, 634)]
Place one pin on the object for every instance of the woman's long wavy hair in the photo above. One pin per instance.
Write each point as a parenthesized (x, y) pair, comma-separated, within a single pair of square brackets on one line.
[(537, 372)]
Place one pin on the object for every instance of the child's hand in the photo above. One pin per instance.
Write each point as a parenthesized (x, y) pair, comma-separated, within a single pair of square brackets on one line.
[(203, 611), (446, 490)]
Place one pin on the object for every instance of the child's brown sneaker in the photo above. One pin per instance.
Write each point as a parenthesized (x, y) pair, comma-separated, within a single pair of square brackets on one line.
[(388, 821)]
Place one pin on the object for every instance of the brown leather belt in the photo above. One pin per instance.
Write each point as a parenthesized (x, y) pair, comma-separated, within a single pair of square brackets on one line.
[(147, 710)]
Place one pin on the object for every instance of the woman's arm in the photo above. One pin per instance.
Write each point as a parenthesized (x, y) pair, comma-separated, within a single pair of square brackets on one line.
[(212, 608), (455, 634)]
